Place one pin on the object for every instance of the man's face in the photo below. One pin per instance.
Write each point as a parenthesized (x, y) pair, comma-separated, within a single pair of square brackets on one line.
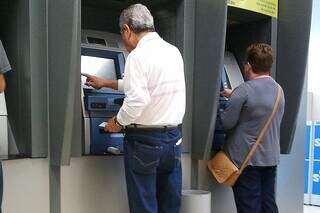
[(127, 38)]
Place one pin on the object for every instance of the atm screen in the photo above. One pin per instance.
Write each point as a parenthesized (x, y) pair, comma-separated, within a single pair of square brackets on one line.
[(100, 67)]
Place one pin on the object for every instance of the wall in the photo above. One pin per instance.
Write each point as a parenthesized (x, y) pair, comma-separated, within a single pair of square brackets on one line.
[(89, 184), (314, 63), (26, 186)]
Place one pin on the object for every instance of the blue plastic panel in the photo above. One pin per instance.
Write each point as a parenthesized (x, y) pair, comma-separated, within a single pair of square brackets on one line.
[(306, 176), (100, 140), (316, 178), (307, 142)]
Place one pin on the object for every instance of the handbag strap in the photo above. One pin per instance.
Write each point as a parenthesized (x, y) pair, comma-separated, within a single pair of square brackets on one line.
[(263, 130)]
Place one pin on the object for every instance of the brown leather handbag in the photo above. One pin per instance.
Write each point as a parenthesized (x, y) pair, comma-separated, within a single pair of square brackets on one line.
[(223, 168)]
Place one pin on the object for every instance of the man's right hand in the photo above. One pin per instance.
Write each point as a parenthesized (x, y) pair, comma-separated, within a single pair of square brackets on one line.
[(226, 93), (93, 81)]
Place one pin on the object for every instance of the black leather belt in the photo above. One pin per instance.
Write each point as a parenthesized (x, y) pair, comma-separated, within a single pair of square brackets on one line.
[(151, 127)]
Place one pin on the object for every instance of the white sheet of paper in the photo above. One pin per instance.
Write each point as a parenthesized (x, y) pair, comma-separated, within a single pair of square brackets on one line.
[(103, 124)]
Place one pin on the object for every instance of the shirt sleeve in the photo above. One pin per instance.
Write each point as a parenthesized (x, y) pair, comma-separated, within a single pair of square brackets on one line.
[(4, 62), (120, 85), (136, 92), (230, 116)]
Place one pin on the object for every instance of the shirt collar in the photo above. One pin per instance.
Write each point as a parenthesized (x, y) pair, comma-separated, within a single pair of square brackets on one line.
[(148, 37)]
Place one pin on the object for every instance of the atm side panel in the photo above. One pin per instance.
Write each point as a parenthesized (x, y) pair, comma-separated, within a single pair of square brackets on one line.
[(210, 34), (64, 80), (292, 52)]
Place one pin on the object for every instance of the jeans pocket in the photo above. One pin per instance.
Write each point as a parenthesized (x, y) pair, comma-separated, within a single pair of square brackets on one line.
[(146, 158)]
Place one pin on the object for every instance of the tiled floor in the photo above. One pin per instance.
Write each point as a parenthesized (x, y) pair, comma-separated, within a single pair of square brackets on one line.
[(311, 209)]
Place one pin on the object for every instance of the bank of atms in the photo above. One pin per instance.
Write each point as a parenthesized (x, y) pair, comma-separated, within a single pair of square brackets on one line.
[(203, 30), (43, 42)]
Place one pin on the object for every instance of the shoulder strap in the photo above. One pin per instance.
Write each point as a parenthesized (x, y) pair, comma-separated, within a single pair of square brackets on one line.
[(263, 130)]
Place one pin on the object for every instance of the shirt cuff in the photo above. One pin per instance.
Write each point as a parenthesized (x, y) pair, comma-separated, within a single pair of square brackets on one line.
[(120, 85), (120, 121), (5, 69)]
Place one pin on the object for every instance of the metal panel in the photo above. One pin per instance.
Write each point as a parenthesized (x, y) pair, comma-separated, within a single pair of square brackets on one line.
[(39, 78), (292, 51), (64, 80), (25, 35), (185, 42), (210, 33), (15, 34)]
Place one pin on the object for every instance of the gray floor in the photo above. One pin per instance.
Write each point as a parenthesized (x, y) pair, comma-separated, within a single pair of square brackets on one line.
[(311, 209)]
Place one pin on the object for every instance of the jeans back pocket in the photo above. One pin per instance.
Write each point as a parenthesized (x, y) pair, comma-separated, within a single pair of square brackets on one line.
[(146, 158)]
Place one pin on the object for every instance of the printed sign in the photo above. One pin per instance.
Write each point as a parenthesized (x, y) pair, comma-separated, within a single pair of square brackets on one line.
[(317, 141), (266, 7), (316, 178)]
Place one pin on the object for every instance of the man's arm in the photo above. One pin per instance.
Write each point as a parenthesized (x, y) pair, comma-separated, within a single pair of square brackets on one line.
[(231, 114), (136, 91), (98, 83)]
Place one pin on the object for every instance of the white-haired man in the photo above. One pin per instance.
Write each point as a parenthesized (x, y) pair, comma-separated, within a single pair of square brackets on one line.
[(151, 114)]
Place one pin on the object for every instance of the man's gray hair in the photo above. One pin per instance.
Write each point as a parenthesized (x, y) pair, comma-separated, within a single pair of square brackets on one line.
[(138, 18)]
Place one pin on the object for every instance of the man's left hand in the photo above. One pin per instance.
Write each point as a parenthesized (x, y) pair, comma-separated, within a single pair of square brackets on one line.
[(112, 126)]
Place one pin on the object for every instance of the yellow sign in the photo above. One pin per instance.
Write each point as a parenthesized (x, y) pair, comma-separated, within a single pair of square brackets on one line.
[(266, 7)]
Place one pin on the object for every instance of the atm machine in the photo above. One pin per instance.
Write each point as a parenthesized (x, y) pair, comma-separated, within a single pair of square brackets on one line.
[(102, 55), (231, 77), (3, 127)]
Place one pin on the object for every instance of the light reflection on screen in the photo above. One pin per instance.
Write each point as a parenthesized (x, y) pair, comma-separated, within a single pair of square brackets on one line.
[(100, 67)]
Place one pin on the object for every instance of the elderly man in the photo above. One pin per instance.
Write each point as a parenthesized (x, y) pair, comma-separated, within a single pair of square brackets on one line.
[(249, 106), (4, 67), (151, 114)]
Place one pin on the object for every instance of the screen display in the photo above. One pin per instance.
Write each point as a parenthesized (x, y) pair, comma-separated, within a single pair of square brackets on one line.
[(100, 67)]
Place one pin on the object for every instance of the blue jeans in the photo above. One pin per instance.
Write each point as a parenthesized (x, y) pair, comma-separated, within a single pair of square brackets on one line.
[(254, 191), (153, 170)]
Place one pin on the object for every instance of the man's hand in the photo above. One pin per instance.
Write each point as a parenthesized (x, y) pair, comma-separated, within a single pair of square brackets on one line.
[(2, 83), (226, 93), (112, 126), (93, 81)]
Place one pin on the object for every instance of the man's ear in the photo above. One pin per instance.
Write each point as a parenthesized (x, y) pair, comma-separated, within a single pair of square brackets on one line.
[(126, 28)]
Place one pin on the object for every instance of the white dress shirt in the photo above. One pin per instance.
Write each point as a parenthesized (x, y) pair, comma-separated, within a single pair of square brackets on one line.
[(153, 84)]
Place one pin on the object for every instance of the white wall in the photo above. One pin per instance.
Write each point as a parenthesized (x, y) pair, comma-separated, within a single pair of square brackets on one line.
[(314, 62), (26, 186), (89, 184)]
